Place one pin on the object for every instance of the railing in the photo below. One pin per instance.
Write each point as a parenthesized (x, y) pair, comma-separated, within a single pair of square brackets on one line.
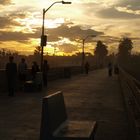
[(53, 74), (133, 85), (131, 93)]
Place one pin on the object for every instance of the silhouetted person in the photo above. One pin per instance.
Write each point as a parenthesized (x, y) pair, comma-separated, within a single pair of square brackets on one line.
[(110, 68), (22, 71), (116, 69), (87, 67), (35, 69), (46, 68), (11, 72)]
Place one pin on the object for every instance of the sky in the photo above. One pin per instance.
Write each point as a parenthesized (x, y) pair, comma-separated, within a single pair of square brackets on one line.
[(66, 25)]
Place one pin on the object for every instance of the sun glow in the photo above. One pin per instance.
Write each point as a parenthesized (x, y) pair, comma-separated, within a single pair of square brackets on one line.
[(49, 23), (21, 22)]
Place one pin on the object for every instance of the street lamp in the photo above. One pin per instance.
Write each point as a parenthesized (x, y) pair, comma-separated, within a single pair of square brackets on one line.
[(83, 50), (43, 36)]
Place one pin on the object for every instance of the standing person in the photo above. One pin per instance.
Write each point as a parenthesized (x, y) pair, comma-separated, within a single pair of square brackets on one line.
[(87, 67), (11, 72), (22, 71), (116, 69), (110, 68), (46, 68), (35, 69)]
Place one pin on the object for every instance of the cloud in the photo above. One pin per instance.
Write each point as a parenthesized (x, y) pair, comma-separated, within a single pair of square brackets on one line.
[(14, 36), (70, 31), (128, 10), (131, 4), (9, 19), (108, 39), (122, 9), (17, 14), (67, 48), (7, 22), (18, 36), (5, 2), (115, 13)]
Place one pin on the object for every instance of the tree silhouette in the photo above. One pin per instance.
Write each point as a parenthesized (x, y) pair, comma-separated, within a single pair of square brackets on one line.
[(100, 53), (37, 54), (37, 50), (125, 47), (7, 53), (3, 52)]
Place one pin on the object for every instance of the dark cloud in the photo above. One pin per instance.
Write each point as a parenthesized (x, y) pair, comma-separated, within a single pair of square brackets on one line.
[(113, 13), (56, 34), (18, 36), (71, 32), (14, 36), (67, 48), (107, 39), (135, 38), (16, 14), (7, 22), (5, 2), (132, 4)]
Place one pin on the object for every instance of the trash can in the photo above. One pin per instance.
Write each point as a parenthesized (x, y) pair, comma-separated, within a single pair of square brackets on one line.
[(67, 72), (29, 86)]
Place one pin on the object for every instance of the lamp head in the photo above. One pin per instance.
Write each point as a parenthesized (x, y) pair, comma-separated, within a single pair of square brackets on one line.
[(66, 2)]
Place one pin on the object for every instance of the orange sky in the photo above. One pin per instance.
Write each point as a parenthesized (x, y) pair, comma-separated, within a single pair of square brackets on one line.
[(67, 25)]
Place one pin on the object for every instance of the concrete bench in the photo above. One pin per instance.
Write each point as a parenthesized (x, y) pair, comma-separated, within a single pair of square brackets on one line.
[(29, 86), (34, 85), (56, 126)]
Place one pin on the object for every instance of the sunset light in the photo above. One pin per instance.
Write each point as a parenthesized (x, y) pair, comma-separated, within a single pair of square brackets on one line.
[(21, 22), (69, 69)]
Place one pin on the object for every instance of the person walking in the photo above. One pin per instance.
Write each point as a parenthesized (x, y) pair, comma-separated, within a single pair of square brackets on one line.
[(110, 68), (11, 72), (46, 68), (87, 67), (35, 69), (22, 71), (116, 69)]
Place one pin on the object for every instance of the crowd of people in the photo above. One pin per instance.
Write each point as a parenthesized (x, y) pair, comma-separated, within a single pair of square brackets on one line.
[(19, 72)]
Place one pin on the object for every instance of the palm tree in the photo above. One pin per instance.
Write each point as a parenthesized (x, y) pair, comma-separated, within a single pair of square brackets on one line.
[(37, 54), (100, 53), (125, 47), (37, 50)]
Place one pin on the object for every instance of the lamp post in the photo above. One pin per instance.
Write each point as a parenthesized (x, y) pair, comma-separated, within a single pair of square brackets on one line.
[(83, 50), (43, 36)]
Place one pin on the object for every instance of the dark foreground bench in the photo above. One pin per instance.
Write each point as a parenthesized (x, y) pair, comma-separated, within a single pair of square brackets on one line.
[(56, 126)]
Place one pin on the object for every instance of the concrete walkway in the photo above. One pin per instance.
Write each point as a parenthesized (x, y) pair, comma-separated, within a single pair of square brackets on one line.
[(93, 97)]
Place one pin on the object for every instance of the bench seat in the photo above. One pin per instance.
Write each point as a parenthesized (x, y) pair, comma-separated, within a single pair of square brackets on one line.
[(55, 124), (81, 130)]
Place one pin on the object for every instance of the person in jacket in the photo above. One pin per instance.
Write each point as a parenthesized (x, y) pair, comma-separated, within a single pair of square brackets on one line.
[(11, 72)]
